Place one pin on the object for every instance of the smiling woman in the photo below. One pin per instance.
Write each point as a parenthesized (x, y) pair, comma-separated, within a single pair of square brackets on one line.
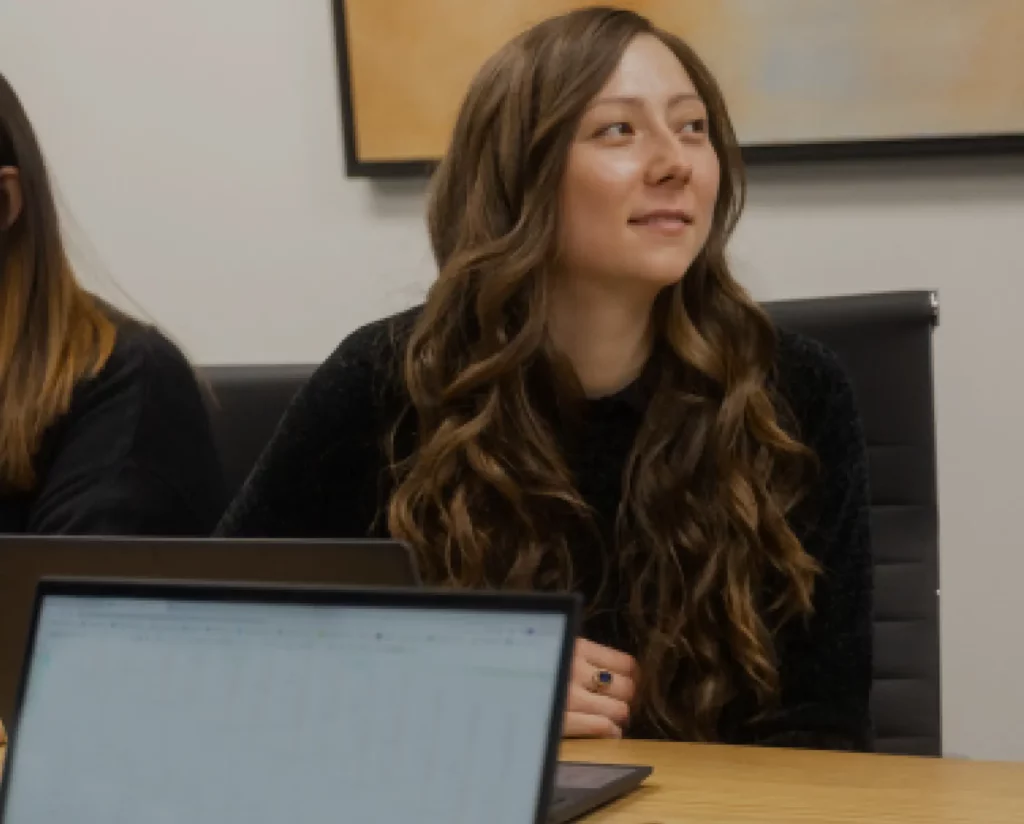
[(589, 400)]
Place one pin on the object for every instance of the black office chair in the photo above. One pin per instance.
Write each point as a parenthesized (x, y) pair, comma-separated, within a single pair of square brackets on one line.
[(884, 341), (247, 405)]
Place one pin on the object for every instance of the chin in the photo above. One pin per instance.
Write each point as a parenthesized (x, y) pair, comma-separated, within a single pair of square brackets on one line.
[(662, 267), (644, 273), (662, 275)]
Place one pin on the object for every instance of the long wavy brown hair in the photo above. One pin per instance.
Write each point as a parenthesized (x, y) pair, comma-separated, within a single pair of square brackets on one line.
[(486, 498), (52, 332)]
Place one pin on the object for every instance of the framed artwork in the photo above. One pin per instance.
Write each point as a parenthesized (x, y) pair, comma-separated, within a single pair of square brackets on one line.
[(804, 79)]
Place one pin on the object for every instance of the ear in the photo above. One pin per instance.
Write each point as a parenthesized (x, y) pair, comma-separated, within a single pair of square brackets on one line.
[(10, 192)]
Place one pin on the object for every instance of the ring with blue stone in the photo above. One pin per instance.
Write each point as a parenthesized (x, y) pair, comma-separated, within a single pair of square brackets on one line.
[(601, 680)]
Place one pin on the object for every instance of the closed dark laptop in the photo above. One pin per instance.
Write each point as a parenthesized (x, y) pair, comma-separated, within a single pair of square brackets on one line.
[(24, 561), (582, 787)]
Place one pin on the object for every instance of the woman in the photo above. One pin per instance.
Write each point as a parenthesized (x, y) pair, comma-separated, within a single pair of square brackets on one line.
[(589, 400), (103, 429)]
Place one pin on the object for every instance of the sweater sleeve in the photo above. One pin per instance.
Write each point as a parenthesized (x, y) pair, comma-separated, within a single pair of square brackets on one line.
[(825, 664), (320, 475)]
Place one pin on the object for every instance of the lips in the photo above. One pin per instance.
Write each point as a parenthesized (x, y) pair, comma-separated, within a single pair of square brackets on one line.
[(663, 217)]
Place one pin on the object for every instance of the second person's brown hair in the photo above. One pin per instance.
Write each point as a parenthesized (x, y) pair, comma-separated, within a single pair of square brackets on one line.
[(52, 332), (713, 474)]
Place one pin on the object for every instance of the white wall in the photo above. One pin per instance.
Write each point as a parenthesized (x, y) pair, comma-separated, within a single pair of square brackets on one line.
[(198, 145)]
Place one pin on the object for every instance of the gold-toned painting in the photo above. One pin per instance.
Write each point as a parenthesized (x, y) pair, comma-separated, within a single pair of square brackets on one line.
[(802, 77)]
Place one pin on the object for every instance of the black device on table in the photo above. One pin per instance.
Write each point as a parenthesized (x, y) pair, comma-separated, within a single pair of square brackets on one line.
[(581, 787), (25, 560)]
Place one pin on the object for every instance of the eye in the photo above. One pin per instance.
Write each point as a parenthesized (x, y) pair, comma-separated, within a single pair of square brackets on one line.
[(698, 126), (620, 129)]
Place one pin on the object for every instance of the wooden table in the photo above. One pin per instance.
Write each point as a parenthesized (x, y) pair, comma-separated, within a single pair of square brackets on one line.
[(700, 784), (695, 784)]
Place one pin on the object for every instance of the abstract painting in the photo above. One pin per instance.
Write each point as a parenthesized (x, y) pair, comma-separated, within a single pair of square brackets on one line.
[(803, 78)]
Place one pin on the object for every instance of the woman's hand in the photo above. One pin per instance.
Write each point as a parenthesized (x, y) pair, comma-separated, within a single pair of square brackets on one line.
[(601, 690)]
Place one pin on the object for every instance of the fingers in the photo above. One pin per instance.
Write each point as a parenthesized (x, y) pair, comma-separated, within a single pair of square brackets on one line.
[(582, 725), (603, 712), (621, 687), (584, 701), (591, 658), (602, 657)]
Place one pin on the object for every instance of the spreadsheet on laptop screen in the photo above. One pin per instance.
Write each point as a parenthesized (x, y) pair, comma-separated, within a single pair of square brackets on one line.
[(242, 713)]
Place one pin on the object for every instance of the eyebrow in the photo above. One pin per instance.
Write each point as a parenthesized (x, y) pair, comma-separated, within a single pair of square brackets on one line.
[(630, 100)]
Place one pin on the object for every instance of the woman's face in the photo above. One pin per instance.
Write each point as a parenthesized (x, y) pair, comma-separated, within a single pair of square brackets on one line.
[(639, 192)]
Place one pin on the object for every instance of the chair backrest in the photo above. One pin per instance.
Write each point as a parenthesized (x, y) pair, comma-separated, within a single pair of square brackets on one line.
[(247, 405), (885, 343)]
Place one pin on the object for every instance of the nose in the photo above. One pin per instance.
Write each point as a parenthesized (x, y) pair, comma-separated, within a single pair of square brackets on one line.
[(670, 161)]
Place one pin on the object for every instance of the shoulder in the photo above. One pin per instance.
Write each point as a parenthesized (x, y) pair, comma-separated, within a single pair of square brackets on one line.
[(819, 398), (138, 435), (378, 341), (808, 372), (816, 389), (142, 361), (150, 392), (355, 394), (147, 376), (366, 365), (321, 472), (144, 356)]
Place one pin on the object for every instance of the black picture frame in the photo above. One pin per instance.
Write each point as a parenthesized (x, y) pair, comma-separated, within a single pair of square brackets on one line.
[(896, 148)]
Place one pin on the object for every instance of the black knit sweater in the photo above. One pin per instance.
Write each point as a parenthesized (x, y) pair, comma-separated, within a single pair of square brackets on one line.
[(325, 475), (134, 455)]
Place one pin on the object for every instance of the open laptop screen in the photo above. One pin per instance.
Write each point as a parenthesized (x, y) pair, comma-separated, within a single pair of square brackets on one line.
[(165, 710)]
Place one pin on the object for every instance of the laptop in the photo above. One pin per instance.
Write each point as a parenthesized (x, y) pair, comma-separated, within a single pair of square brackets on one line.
[(580, 787), (247, 704), (26, 560)]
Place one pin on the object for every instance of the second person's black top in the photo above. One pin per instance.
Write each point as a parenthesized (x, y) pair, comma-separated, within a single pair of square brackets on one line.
[(325, 474), (134, 455)]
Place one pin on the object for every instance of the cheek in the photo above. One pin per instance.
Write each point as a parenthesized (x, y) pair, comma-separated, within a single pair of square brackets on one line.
[(705, 183), (594, 199)]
